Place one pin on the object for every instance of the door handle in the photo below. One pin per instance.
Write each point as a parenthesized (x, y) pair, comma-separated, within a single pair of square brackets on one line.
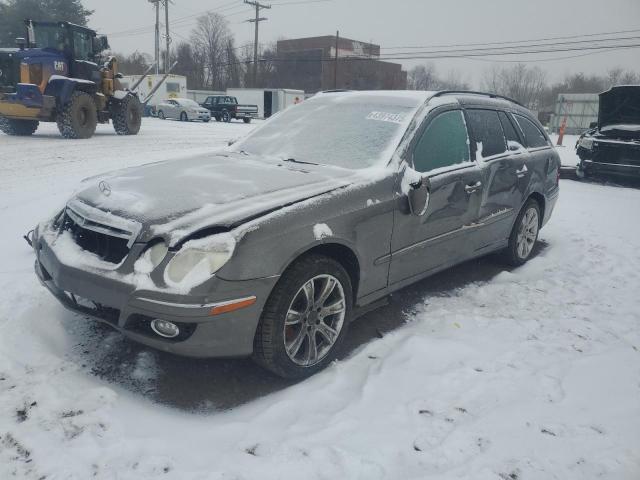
[(522, 172), (473, 187)]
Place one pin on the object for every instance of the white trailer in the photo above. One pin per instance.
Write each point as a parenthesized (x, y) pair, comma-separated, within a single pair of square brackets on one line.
[(175, 86), (268, 100)]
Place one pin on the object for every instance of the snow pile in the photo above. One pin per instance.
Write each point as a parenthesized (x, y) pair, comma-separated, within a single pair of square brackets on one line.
[(322, 230), (524, 373)]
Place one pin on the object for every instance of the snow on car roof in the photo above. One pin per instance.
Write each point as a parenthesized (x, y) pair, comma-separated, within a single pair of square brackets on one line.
[(417, 95)]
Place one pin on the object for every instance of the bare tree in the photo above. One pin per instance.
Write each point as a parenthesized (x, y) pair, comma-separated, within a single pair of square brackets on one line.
[(133, 64), (425, 77), (522, 83), (214, 47)]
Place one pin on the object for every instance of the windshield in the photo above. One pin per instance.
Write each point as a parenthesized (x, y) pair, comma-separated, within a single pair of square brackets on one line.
[(52, 36), (346, 130), (187, 103)]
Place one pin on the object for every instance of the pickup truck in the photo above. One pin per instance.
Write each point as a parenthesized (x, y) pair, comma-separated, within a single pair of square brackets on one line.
[(224, 108)]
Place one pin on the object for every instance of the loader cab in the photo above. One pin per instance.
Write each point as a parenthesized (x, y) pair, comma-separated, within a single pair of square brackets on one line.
[(79, 47)]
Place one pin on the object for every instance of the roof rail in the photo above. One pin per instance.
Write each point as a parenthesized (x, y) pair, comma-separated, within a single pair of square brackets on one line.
[(336, 90), (471, 92)]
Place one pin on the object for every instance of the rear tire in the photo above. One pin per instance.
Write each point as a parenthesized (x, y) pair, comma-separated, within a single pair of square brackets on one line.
[(524, 234), (19, 128), (78, 118), (183, 117), (246, 120), (127, 116), (275, 343), (226, 117), (161, 115)]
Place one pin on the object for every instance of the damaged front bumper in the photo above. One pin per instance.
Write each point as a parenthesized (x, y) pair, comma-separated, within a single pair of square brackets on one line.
[(131, 310), (611, 157)]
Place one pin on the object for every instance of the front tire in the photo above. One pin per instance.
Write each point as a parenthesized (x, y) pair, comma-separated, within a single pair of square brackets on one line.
[(246, 120), (524, 234), (127, 116), (161, 115), (78, 118), (305, 319), (226, 117), (19, 128)]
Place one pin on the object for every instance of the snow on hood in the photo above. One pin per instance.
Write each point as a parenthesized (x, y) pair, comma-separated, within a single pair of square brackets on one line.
[(209, 190)]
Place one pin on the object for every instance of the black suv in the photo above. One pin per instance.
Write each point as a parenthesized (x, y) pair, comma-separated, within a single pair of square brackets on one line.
[(613, 145)]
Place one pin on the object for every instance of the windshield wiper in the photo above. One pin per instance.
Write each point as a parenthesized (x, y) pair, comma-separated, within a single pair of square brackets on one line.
[(293, 160)]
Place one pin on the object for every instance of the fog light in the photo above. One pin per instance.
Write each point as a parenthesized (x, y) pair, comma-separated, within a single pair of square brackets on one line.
[(165, 329)]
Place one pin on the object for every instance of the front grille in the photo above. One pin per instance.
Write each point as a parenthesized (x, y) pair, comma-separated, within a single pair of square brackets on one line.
[(618, 153), (108, 247)]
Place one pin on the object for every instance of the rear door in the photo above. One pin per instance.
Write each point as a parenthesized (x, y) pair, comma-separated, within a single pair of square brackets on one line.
[(542, 162), (503, 161), (439, 235)]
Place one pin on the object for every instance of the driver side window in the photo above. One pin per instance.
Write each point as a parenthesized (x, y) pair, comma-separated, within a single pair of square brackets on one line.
[(444, 143)]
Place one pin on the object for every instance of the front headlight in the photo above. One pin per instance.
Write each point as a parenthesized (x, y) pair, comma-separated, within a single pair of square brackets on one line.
[(199, 259), (586, 143), (151, 258)]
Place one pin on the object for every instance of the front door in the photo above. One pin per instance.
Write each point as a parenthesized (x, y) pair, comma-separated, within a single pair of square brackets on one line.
[(428, 239)]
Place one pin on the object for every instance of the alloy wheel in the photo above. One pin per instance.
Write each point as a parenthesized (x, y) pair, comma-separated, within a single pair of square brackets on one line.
[(314, 320), (527, 233)]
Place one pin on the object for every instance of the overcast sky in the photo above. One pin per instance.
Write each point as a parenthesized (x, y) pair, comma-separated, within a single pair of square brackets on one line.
[(394, 23)]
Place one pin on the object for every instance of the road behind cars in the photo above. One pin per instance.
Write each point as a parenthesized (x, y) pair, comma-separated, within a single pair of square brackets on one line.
[(546, 354)]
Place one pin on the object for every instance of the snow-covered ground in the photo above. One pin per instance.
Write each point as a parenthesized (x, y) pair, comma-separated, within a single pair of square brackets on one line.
[(567, 150), (531, 373)]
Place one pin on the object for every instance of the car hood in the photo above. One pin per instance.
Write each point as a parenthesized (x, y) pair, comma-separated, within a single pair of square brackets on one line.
[(620, 106), (175, 198)]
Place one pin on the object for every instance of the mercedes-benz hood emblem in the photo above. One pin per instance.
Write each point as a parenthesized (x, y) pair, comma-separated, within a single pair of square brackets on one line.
[(105, 188)]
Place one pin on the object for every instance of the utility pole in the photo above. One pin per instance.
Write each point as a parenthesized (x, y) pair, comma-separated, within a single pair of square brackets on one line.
[(167, 67), (335, 63), (258, 6), (156, 51)]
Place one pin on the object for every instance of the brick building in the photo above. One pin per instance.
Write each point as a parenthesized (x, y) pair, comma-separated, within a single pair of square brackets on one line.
[(308, 64)]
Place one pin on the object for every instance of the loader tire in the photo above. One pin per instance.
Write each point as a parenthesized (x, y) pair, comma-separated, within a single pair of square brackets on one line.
[(78, 118), (127, 116), (20, 128)]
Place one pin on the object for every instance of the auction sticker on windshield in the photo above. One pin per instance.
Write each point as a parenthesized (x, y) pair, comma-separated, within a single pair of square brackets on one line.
[(386, 117)]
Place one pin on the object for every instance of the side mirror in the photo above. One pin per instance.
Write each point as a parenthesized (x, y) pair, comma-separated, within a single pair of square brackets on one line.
[(593, 125), (100, 44), (419, 195)]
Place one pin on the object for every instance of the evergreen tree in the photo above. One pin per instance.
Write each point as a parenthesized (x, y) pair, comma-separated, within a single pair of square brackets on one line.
[(14, 12)]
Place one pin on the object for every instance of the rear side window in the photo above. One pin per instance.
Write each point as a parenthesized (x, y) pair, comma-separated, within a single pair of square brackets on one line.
[(509, 130), (532, 134), (444, 143), (487, 132)]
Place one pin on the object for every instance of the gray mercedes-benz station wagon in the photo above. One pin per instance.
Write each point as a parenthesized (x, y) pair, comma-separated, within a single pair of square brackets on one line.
[(270, 247)]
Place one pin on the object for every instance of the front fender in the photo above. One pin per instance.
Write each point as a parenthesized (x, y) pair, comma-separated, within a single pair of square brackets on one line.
[(62, 88)]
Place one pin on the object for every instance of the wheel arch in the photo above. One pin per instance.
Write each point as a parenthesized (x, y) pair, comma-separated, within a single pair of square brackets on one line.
[(541, 200), (339, 252), (62, 88)]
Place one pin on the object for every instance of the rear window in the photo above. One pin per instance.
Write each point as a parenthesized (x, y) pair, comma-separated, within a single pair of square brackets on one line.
[(487, 132), (533, 137)]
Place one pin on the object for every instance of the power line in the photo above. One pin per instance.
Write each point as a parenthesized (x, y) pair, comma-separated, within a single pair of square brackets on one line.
[(443, 56), (509, 47), (570, 37)]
